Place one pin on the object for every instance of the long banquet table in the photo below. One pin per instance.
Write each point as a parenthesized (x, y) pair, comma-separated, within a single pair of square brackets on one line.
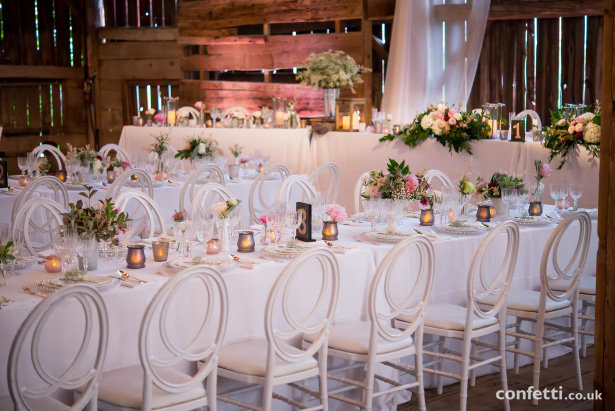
[(248, 290)]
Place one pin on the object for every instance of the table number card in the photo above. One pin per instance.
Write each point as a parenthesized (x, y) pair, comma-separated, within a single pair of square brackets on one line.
[(4, 178), (304, 232), (517, 130)]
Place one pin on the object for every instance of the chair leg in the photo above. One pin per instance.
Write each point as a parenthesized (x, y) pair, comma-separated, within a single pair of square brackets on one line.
[(473, 370), (440, 345), (369, 381), (418, 362), (574, 316), (517, 345), (465, 364), (537, 352), (585, 310), (268, 394), (502, 350), (212, 382), (322, 379)]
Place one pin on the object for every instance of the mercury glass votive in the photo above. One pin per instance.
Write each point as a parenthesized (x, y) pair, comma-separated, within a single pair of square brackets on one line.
[(329, 231), (111, 176), (492, 212), (160, 250), (213, 246), (158, 176), (427, 218), (23, 181), (245, 242), (53, 264), (135, 258), (61, 174), (535, 208), (483, 214), (260, 168)]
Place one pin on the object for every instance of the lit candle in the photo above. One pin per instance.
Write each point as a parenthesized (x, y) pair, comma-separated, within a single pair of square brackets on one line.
[(260, 168), (266, 125), (160, 250), (492, 211), (158, 176), (219, 124), (209, 123), (346, 123), (165, 174), (356, 119), (492, 125), (535, 208), (271, 238), (483, 214), (23, 181), (245, 242), (329, 231), (171, 117), (133, 177), (386, 130), (451, 216), (303, 123), (61, 174), (135, 258), (426, 217), (53, 264), (279, 119), (111, 175), (213, 247)]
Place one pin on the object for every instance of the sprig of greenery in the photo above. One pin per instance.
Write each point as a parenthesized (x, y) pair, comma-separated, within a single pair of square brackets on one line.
[(161, 144)]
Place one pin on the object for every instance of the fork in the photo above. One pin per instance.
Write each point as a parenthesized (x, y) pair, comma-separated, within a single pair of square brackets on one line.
[(6, 300), (27, 290), (126, 276)]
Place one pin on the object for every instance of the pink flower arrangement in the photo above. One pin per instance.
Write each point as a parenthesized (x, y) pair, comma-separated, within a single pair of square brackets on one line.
[(243, 160), (199, 105), (545, 170), (179, 216), (265, 219), (159, 118), (336, 212), (411, 183)]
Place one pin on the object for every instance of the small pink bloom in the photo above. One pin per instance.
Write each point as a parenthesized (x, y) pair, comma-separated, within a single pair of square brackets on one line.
[(439, 115), (159, 118), (115, 210), (452, 121), (336, 212), (199, 105), (125, 164), (412, 183), (452, 112), (243, 160), (545, 170)]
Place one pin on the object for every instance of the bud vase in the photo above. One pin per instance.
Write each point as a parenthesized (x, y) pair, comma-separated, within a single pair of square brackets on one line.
[(225, 235), (330, 97)]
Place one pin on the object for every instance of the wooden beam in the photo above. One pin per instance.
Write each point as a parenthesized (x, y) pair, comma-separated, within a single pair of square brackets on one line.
[(367, 61), (139, 50), (543, 9), (379, 48), (278, 52), (380, 9), (158, 69), (197, 36), (208, 14), (138, 34), (40, 72), (208, 41)]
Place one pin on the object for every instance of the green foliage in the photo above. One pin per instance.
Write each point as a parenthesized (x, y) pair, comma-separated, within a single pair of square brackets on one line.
[(199, 147)]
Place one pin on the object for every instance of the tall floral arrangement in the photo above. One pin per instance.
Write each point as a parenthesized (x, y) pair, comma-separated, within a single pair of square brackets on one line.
[(331, 69), (397, 183), (199, 147), (452, 128), (86, 156), (566, 135), (499, 181), (465, 185)]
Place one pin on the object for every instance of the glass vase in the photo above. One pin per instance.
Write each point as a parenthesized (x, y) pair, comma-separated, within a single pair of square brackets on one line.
[(537, 191), (225, 235), (330, 96)]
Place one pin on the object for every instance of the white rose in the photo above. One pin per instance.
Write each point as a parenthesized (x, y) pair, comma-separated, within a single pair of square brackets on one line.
[(257, 114), (578, 128), (389, 116), (570, 130), (219, 209), (437, 130), (96, 165), (426, 122), (201, 149), (441, 107), (232, 201), (561, 122), (587, 117), (441, 123), (368, 191), (458, 116)]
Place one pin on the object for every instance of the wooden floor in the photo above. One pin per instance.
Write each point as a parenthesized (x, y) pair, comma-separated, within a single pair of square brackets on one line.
[(481, 397)]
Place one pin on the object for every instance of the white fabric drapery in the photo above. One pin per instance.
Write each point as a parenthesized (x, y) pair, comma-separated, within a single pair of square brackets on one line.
[(435, 47)]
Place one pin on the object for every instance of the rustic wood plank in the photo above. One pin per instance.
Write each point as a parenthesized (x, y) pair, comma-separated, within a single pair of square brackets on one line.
[(45, 28), (39, 72), (145, 14), (380, 9), (7, 107), (20, 111), (138, 34), (213, 14), (109, 13), (78, 40), (120, 13), (29, 53), (57, 107), (74, 108), (46, 106), (593, 80), (139, 69), (32, 94), (546, 72), (139, 50), (530, 92), (62, 33), (133, 14), (278, 52), (11, 16), (170, 10), (524, 9), (573, 32), (367, 61), (218, 40)]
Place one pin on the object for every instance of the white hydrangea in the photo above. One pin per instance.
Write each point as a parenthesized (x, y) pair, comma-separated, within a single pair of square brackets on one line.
[(426, 122), (592, 133)]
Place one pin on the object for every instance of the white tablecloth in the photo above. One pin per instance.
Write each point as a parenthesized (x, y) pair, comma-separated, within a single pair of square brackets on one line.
[(290, 147)]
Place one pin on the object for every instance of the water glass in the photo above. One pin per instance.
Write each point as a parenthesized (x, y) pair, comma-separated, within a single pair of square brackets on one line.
[(509, 197), (576, 191), (293, 221)]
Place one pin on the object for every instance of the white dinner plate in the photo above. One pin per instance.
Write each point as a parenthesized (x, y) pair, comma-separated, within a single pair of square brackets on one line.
[(220, 263), (463, 229), (385, 236), (533, 221), (100, 282), (281, 251)]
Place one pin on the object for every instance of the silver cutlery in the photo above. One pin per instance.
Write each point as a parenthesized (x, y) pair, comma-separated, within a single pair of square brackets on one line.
[(127, 276), (27, 290), (6, 300)]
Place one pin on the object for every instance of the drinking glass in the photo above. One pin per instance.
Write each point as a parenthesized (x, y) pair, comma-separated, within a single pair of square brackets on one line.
[(293, 221), (523, 201), (509, 197), (215, 114), (372, 210), (85, 245), (563, 194), (22, 163), (5, 232), (576, 191), (555, 190)]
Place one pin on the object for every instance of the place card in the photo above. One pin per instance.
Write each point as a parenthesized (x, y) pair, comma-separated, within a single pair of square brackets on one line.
[(304, 232), (517, 131), (4, 178)]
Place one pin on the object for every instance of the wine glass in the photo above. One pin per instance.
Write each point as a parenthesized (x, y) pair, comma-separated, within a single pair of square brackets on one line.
[(293, 221), (215, 114), (22, 163), (509, 197), (562, 195), (576, 191), (371, 207), (523, 201)]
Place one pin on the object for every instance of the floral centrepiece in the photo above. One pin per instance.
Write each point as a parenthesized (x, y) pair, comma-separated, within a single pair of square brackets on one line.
[(117, 163), (159, 119), (336, 213), (331, 69), (43, 166), (398, 183), (236, 150), (452, 128), (499, 181), (566, 135), (179, 216), (7, 254), (223, 209), (199, 147)]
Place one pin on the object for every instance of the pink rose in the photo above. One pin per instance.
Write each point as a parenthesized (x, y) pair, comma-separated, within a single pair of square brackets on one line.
[(412, 183), (159, 118), (452, 112), (439, 115), (336, 212), (125, 164), (199, 105), (545, 170), (452, 121)]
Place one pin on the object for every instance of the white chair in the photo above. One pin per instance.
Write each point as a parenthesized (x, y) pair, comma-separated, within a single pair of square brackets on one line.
[(272, 361), (551, 303), (375, 341), (119, 152), (533, 115), (359, 188), (208, 194), (145, 214), (285, 192), (188, 111), (469, 323), (82, 375), (25, 221), (59, 192), (155, 383), (57, 154), (202, 175), (258, 202), (440, 176), (142, 182), (334, 182), (236, 110)]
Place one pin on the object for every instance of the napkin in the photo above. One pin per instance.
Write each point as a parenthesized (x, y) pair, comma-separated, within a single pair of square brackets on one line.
[(352, 223), (161, 237)]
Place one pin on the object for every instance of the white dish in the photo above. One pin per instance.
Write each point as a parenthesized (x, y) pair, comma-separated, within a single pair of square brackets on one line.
[(533, 221), (100, 282), (385, 236), (219, 263), (465, 229)]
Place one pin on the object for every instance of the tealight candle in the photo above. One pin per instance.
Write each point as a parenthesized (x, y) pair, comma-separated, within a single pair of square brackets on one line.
[(304, 123), (427, 217), (135, 258), (386, 130), (483, 214), (279, 119), (245, 242), (133, 177), (271, 237), (53, 264), (23, 181), (213, 246), (346, 123), (61, 174), (329, 231), (111, 176), (356, 119), (266, 125), (260, 168), (158, 176), (171, 117), (219, 124), (233, 171), (160, 250), (492, 211), (535, 208), (165, 175), (451, 216), (209, 123)]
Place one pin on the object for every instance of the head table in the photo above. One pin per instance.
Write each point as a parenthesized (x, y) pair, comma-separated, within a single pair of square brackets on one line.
[(249, 288)]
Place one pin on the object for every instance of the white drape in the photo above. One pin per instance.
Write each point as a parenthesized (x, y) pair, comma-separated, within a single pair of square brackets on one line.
[(435, 47)]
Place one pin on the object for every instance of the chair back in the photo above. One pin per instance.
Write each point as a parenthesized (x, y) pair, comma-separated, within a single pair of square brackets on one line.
[(413, 304), (359, 188), (154, 332), (119, 152), (533, 115), (142, 182), (258, 200), (440, 176), (480, 285), (286, 189), (151, 216), (59, 192), (57, 154), (188, 111), (202, 175), (236, 110), (29, 335), (209, 194), (574, 269), (26, 220), (320, 317), (334, 182)]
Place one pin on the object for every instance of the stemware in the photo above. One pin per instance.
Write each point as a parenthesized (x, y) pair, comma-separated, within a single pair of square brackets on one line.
[(22, 163), (85, 245), (576, 191), (373, 209), (509, 197), (215, 114), (563, 195), (293, 221)]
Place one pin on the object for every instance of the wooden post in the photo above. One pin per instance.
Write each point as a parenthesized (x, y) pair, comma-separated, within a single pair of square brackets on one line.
[(366, 30), (604, 339), (267, 32)]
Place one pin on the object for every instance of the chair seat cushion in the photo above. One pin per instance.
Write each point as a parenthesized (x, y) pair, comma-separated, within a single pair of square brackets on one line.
[(453, 317), (527, 300), (587, 285), (250, 358), (124, 388), (47, 404), (354, 336)]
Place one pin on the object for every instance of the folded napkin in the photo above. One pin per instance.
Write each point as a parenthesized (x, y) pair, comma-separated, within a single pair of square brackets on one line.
[(353, 223), (161, 237)]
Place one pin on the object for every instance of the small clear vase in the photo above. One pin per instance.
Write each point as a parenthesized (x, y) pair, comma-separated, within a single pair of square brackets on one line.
[(537, 191), (225, 235), (330, 97)]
